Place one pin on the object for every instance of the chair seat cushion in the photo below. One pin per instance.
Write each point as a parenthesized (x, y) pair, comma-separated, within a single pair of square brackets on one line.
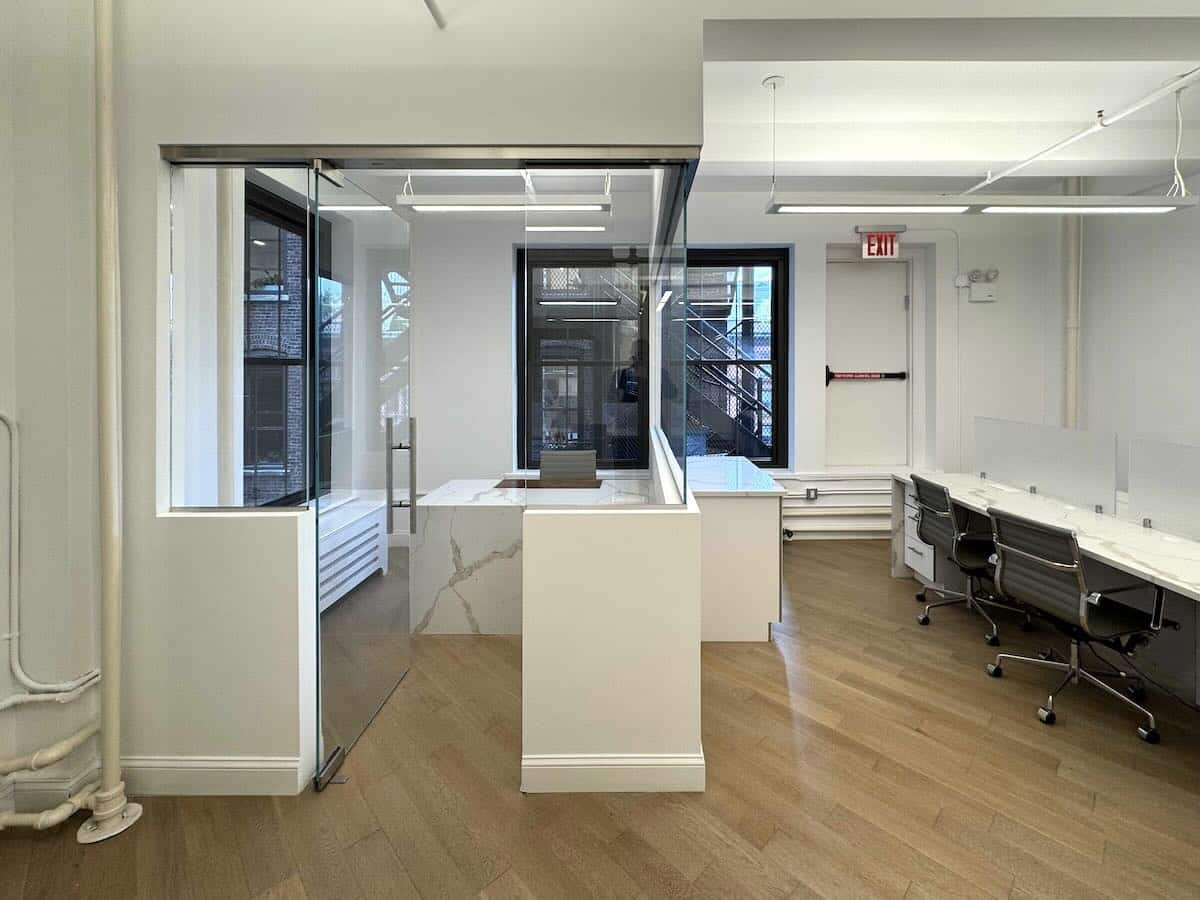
[(973, 555)]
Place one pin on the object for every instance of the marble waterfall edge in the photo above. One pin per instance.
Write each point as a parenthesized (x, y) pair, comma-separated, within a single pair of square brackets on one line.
[(465, 570)]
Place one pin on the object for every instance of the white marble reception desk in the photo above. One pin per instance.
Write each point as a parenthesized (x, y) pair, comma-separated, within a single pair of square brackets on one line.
[(465, 557)]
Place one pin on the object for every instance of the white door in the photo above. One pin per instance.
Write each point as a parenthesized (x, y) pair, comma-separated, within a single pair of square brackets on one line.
[(866, 330)]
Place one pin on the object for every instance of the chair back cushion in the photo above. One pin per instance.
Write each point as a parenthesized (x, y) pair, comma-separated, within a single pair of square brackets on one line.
[(568, 465), (1038, 565), (936, 523)]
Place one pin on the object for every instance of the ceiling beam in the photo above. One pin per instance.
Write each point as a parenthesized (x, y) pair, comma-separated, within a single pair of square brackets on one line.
[(1000, 39)]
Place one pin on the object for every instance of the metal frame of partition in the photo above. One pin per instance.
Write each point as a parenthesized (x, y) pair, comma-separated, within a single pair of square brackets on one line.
[(381, 156)]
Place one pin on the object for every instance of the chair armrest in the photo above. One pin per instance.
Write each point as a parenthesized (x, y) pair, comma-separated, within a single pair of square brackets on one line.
[(1160, 605)]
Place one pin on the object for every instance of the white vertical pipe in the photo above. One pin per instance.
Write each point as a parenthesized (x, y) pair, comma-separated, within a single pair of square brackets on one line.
[(113, 813), (60, 691), (1072, 233)]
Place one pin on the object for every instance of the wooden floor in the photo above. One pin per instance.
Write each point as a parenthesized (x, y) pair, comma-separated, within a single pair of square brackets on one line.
[(857, 755)]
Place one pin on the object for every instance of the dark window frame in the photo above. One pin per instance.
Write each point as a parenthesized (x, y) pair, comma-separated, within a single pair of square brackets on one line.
[(269, 207), (525, 259), (778, 259)]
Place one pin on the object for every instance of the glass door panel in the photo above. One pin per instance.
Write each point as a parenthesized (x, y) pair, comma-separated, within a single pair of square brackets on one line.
[(360, 327)]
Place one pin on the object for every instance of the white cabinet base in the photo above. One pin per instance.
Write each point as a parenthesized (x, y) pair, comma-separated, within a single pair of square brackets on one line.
[(741, 552)]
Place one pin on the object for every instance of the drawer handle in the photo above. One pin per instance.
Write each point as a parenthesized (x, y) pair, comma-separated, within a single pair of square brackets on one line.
[(916, 551)]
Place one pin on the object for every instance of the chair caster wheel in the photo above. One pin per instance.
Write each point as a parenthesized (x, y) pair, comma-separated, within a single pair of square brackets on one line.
[(922, 619), (1137, 694), (1149, 735), (993, 640), (994, 670), (1046, 715)]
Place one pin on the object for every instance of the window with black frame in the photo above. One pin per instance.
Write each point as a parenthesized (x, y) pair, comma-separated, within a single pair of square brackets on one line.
[(582, 355), (737, 354), (276, 350)]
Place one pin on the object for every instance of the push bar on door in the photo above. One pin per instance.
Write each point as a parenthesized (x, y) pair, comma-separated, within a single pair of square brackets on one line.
[(831, 375)]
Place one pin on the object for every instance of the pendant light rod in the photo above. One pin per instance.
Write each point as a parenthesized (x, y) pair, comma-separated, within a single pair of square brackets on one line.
[(436, 12), (772, 83)]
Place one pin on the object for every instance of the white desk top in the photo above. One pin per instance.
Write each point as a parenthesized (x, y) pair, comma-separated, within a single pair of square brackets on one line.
[(483, 492), (1163, 559), (729, 476)]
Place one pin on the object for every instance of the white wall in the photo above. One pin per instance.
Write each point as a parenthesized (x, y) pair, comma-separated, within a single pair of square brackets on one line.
[(1139, 369), (1005, 357), (464, 363)]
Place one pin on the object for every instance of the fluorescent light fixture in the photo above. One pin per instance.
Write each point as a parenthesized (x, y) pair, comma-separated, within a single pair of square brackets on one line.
[(513, 203), (507, 207), (1079, 210), (852, 203), (663, 301), (362, 207), (258, 243), (850, 208), (564, 228), (578, 302)]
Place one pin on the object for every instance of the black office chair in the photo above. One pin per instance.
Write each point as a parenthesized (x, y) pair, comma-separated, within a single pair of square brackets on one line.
[(1039, 565), (947, 526)]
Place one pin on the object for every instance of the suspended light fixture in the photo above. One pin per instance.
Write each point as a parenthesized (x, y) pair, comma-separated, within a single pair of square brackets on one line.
[(564, 228), (506, 203), (851, 203), (527, 202), (856, 203)]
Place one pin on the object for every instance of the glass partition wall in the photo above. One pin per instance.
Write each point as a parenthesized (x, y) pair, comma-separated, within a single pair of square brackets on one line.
[(552, 314), (362, 444)]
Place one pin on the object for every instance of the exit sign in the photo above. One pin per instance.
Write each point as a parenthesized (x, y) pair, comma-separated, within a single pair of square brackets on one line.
[(880, 245)]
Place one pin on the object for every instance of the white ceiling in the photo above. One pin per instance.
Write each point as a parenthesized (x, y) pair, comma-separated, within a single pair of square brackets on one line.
[(912, 91), (910, 118)]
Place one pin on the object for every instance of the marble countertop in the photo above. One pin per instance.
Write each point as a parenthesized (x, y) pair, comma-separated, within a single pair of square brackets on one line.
[(1164, 559), (729, 476), (483, 492)]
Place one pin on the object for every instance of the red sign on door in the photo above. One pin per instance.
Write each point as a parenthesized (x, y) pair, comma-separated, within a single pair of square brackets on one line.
[(880, 245)]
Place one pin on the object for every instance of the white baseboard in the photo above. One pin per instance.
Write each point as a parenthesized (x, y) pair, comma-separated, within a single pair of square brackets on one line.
[(212, 775), (607, 772)]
